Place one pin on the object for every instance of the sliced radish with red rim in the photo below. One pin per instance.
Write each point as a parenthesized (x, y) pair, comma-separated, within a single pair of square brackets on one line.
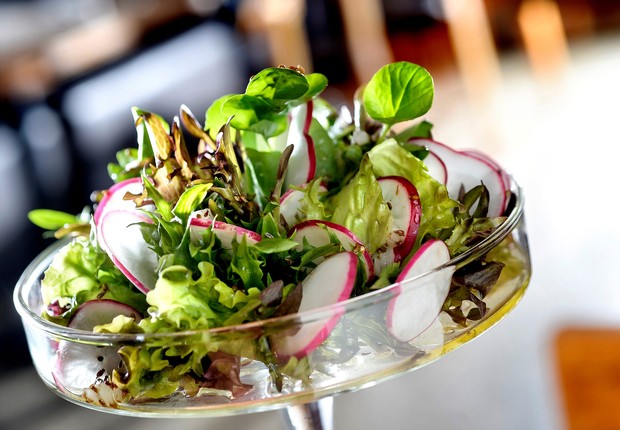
[(469, 171), (317, 233), (331, 282), (79, 365), (114, 199), (291, 205), (226, 233), (123, 241), (418, 302), (404, 202)]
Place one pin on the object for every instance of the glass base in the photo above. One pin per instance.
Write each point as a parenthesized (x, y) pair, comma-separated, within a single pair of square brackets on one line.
[(318, 415)]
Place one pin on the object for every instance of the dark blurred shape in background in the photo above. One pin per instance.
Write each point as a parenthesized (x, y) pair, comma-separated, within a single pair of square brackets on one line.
[(70, 70)]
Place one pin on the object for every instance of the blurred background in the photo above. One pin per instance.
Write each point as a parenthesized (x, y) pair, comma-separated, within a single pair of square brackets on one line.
[(532, 82)]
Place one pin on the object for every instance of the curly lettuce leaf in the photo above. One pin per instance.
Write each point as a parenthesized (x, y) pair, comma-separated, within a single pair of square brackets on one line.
[(188, 303), (359, 206), (81, 272)]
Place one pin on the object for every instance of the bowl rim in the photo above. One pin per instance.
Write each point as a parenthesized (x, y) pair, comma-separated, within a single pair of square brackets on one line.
[(35, 269)]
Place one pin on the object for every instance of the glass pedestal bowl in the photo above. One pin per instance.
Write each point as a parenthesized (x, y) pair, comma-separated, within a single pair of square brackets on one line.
[(357, 349)]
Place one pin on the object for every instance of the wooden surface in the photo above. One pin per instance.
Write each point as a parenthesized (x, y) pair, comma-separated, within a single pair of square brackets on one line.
[(588, 365)]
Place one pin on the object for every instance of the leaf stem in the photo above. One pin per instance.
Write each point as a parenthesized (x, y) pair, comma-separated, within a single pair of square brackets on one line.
[(384, 131)]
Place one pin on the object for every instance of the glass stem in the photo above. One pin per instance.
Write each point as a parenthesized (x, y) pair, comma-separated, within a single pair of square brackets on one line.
[(318, 415)]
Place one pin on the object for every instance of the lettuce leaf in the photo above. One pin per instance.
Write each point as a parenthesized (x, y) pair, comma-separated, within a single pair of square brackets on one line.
[(82, 272), (390, 158), (189, 304), (359, 206)]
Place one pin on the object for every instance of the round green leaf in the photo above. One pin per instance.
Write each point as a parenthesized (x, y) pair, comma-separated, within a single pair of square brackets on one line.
[(278, 85), (399, 92)]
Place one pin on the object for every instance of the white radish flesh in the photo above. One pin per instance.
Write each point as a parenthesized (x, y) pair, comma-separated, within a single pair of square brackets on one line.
[(100, 311), (79, 365), (331, 282), (436, 167), (291, 204), (114, 199), (226, 233), (302, 163), (317, 233), (418, 302), (464, 169), (126, 247), (404, 203)]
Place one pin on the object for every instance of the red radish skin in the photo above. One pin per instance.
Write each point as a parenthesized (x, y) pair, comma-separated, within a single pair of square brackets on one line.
[(418, 302), (331, 282), (317, 234), (404, 201), (468, 170), (225, 232), (127, 249), (302, 164), (113, 197)]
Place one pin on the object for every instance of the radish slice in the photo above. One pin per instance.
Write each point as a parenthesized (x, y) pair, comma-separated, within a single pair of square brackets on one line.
[(469, 171), (436, 168), (78, 365), (302, 164), (290, 205), (100, 311), (418, 302), (317, 233), (126, 247), (113, 199), (484, 157), (404, 202), (226, 233), (330, 282)]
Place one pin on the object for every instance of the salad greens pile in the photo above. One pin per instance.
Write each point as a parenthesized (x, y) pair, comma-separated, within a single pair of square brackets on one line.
[(235, 169)]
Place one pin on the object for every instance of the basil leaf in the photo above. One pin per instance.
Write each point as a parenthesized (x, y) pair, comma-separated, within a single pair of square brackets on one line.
[(399, 92)]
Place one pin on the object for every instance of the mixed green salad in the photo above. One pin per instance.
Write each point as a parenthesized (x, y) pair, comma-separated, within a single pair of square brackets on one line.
[(251, 215)]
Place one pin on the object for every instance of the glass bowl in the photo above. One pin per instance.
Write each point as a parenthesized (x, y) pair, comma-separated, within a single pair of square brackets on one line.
[(358, 352)]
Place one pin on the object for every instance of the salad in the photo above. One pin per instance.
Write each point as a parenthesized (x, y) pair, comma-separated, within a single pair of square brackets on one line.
[(278, 204)]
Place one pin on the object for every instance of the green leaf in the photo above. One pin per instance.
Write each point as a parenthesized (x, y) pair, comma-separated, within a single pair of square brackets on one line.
[(246, 264), (261, 173), (49, 219), (399, 92), (421, 129), (317, 83), (190, 199), (275, 245), (215, 118), (360, 207), (254, 114), (278, 85)]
